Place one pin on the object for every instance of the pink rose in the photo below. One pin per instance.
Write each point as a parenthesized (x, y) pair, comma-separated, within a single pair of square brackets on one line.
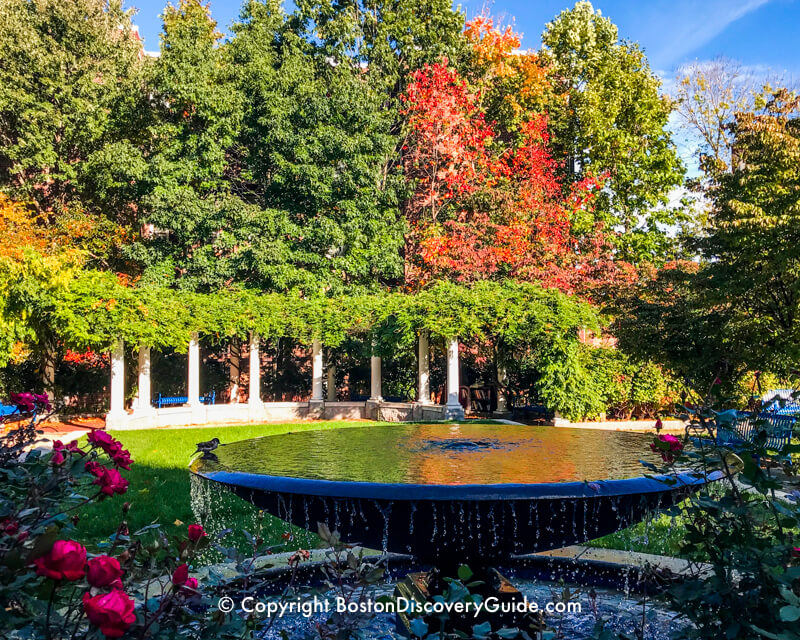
[(65, 561), (111, 612), (57, 445), (111, 482), (58, 457), (104, 571), (673, 445), (196, 532), (180, 575)]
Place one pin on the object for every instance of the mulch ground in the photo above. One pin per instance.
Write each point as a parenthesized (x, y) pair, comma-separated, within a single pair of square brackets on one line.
[(65, 426)]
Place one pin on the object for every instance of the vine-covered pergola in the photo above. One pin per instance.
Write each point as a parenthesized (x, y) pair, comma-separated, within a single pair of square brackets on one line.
[(94, 310)]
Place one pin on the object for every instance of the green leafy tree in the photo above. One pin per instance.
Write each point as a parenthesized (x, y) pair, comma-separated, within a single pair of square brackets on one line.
[(313, 144), (614, 124), (752, 243), (193, 116), (68, 70)]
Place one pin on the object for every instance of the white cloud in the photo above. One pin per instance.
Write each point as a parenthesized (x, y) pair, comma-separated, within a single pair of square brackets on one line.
[(688, 25)]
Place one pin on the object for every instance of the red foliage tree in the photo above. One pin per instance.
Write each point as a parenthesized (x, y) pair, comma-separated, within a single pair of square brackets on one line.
[(480, 209)]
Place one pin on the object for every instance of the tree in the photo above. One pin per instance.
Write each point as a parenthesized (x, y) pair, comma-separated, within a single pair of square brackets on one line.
[(67, 72), (314, 142), (709, 95), (514, 86), (738, 308), (482, 207), (752, 244), (614, 124)]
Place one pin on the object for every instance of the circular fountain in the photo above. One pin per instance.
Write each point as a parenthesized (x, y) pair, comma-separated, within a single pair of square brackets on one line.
[(450, 493)]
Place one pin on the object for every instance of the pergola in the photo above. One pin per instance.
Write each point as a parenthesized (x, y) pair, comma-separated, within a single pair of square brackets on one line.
[(144, 414)]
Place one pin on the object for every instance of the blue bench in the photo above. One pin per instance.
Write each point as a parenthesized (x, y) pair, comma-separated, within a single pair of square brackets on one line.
[(781, 401), (738, 427), (161, 401), (7, 410)]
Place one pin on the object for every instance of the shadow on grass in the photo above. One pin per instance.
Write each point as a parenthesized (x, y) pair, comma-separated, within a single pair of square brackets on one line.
[(163, 495)]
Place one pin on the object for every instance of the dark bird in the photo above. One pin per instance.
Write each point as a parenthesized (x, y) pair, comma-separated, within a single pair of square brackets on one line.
[(207, 447)]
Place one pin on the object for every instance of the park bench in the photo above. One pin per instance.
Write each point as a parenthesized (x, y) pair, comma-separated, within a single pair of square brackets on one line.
[(781, 401), (736, 428), (176, 401), (7, 410)]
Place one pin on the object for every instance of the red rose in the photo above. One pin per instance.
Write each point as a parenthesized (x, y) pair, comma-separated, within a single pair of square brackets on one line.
[(111, 482), (180, 575), (10, 527), (104, 571), (94, 467), (123, 459), (65, 561), (114, 448), (196, 532), (24, 402), (73, 447), (111, 612), (99, 438), (190, 586), (43, 400), (58, 458)]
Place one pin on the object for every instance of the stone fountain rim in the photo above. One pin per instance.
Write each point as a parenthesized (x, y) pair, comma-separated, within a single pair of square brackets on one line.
[(462, 492)]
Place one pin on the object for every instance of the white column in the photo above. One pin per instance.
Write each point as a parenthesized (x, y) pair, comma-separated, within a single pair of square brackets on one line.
[(375, 379), (331, 382), (453, 409), (254, 399), (234, 370), (316, 371), (423, 369), (117, 406), (116, 416), (194, 371), (144, 403)]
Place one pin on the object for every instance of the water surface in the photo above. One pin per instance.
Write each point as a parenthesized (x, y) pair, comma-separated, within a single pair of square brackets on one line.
[(440, 454)]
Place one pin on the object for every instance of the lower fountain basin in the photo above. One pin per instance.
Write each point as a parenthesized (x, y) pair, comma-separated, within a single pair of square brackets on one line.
[(471, 492)]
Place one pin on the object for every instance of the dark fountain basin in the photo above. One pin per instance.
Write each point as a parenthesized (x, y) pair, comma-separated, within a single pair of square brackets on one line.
[(451, 493)]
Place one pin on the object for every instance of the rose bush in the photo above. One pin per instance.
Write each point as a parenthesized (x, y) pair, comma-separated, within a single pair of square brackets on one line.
[(132, 585), (744, 528)]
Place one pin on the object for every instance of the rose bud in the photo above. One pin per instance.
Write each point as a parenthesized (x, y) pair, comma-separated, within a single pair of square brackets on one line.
[(180, 575), (196, 532)]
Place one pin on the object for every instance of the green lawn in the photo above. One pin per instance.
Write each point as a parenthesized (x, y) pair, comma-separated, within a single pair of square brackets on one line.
[(160, 491)]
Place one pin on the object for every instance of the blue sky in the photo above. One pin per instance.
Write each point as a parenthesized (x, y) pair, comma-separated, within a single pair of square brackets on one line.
[(758, 33), (761, 34)]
